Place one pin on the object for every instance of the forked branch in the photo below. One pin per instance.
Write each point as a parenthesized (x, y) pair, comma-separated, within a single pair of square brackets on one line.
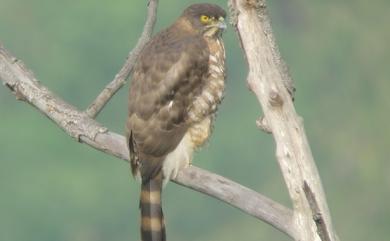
[(77, 124)]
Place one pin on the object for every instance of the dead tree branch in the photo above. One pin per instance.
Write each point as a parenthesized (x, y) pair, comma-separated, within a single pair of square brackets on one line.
[(83, 128), (120, 79), (268, 78)]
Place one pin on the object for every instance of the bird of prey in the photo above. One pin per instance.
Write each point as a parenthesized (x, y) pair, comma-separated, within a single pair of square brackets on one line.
[(176, 87)]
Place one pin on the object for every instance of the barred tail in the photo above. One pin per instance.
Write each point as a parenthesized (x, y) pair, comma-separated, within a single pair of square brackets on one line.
[(152, 218)]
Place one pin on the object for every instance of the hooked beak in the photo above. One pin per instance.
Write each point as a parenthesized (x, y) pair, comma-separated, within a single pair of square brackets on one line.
[(221, 23)]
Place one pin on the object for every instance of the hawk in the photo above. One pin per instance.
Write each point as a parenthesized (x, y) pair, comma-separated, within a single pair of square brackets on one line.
[(177, 84)]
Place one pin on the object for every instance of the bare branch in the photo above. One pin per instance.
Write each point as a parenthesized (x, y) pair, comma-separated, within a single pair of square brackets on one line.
[(270, 81), (120, 79), (77, 124), (238, 196)]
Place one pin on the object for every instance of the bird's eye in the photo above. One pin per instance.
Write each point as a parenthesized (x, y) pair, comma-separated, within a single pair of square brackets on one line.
[(204, 19)]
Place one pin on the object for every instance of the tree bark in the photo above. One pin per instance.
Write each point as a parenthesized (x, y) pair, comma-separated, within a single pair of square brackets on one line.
[(268, 78)]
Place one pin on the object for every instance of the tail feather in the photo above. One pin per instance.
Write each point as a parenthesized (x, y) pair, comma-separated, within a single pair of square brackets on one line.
[(152, 218)]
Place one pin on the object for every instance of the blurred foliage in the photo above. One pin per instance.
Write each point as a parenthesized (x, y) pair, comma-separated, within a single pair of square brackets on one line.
[(53, 188)]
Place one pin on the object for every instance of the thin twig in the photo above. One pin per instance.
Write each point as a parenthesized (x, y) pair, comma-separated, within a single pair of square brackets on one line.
[(120, 79), (77, 124)]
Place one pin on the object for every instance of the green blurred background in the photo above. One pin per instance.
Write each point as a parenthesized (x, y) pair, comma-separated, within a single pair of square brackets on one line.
[(54, 189)]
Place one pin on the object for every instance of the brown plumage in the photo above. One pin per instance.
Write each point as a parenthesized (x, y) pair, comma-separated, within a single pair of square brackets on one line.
[(176, 87)]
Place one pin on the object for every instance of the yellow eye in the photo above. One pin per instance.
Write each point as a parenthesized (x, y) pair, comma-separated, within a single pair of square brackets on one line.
[(204, 19)]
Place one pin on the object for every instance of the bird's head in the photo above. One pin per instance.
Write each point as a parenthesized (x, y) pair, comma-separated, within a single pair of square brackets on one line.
[(207, 19)]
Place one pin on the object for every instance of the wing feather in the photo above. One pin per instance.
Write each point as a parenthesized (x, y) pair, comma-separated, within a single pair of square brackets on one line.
[(167, 78)]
